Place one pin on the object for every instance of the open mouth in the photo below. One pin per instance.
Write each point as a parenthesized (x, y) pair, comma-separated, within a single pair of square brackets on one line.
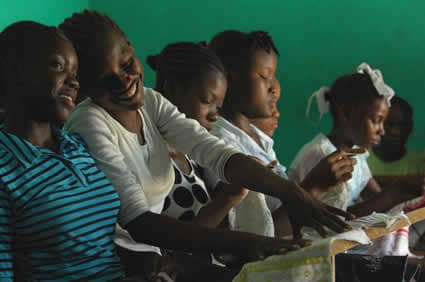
[(130, 92), (68, 96)]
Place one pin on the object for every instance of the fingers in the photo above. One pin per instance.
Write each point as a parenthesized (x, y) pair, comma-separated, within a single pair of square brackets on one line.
[(340, 212), (272, 165), (333, 223), (337, 155), (302, 242), (355, 151), (319, 228), (296, 231), (330, 220)]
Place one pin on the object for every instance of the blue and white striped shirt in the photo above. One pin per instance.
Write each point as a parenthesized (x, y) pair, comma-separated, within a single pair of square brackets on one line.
[(57, 213)]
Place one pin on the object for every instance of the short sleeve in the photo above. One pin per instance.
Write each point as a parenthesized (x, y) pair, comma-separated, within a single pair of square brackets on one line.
[(308, 157)]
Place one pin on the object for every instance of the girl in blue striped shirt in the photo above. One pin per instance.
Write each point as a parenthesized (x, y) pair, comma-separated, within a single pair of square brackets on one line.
[(57, 209)]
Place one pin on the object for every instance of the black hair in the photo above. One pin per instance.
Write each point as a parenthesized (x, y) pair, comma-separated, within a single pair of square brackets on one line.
[(234, 47), (351, 92), (18, 42), (405, 107), (85, 29), (183, 64)]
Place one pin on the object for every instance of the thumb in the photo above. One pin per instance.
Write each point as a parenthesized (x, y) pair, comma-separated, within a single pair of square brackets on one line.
[(273, 164)]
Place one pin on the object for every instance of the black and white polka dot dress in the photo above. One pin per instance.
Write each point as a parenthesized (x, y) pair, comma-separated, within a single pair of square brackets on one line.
[(188, 195)]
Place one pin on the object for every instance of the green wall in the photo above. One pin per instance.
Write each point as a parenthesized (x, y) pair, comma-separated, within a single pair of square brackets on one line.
[(319, 40), (50, 12)]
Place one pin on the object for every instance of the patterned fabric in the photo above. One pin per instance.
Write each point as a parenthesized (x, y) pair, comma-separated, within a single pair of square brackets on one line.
[(313, 263), (188, 194), (57, 213)]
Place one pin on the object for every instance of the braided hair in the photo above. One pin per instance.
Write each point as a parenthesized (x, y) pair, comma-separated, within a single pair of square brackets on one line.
[(183, 64), (234, 47), (351, 92), (85, 30)]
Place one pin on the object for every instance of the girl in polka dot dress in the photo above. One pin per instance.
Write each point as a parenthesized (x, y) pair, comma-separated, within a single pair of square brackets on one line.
[(192, 77)]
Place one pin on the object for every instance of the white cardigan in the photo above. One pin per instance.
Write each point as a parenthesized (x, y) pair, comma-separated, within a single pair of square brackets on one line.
[(143, 174)]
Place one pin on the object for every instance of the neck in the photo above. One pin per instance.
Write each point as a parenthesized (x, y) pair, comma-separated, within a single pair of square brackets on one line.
[(389, 154), (129, 119), (243, 122), (240, 120), (338, 138), (38, 133)]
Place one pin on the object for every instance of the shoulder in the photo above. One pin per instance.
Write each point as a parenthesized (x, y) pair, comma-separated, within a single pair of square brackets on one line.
[(223, 129), (152, 99), (86, 110), (319, 147), (88, 116)]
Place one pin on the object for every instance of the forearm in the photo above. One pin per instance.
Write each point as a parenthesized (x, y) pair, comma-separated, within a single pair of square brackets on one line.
[(379, 202), (170, 233), (213, 214), (243, 171)]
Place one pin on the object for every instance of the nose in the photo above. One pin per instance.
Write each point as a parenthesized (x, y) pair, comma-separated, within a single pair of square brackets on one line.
[(72, 82)]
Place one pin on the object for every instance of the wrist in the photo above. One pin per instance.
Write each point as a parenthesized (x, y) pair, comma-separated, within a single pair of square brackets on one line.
[(307, 184)]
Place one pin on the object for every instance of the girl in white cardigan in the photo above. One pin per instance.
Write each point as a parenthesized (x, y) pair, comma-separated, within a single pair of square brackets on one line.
[(127, 128)]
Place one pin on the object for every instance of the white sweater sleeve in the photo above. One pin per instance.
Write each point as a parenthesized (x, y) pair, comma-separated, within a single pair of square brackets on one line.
[(92, 125), (187, 135)]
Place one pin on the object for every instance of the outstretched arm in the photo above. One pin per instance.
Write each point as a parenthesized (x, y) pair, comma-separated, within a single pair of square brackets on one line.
[(302, 209)]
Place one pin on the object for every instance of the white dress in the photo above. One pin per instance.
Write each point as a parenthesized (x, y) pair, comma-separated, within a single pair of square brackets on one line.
[(340, 196)]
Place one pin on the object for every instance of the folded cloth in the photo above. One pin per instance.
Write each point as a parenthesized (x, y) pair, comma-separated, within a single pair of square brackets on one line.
[(386, 220), (313, 263), (252, 215), (394, 244)]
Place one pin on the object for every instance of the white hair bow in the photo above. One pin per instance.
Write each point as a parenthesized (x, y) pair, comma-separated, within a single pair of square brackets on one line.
[(377, 79)]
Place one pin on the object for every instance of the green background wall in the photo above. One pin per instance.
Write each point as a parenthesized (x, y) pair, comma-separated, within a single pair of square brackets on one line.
[(318, 40), (50, 12)]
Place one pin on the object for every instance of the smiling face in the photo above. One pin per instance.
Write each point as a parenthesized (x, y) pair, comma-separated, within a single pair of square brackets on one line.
[(118, 74), (366, 124), (254, 85), (50, 81), (203, 101)]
